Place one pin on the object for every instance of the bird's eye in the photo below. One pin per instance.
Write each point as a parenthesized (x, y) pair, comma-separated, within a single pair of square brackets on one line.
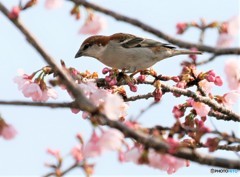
[(86, 46)]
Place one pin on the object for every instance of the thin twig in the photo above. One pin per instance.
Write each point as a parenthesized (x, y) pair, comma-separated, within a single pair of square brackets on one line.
[(213, 57), (73, 166)]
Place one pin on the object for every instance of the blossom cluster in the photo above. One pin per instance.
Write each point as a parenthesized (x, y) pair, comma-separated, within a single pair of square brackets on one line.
[(35, 88)]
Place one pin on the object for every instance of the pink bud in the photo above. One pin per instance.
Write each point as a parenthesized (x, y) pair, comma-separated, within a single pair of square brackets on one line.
[(193, 56), (212, 144), (112, 82), (14, 12), (105, 70), (181, 84), (157, 95), (178, 112), (75, 111), (199, 123), (223, 28), (211, 72), (181, 28), (210, 76), (218, 81), (133, 88), (141, 78), (108, 79), (175, 78), (55, 153)]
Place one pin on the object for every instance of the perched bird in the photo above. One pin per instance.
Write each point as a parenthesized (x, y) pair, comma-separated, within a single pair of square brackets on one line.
[(126, 51)]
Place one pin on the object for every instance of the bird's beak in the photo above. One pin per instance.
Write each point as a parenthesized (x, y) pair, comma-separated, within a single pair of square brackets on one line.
[(78, 54)]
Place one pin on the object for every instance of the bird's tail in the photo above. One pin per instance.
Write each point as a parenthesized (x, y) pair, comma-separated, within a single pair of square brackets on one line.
[(187, 52)]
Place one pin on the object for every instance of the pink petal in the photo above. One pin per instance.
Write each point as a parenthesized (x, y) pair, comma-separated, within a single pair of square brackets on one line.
[(234, 25), (206, 86), (114, 107), (231, 98), (225, 40), (93, 25), (77, 153), (111, 140), (232, 71), (52, 93), (201, 109), (53, 4), (91, 149), (32, 90)]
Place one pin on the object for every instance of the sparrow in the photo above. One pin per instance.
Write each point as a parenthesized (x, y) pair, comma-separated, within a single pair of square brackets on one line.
[(127, 51)]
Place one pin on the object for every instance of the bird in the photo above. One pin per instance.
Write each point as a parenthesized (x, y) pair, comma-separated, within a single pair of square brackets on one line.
[(127, 51)]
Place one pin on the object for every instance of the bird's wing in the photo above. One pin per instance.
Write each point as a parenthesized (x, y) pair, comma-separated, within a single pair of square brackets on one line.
[(142, 42)]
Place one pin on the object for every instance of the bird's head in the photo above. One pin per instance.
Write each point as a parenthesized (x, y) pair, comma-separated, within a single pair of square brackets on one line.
[(93, 46)]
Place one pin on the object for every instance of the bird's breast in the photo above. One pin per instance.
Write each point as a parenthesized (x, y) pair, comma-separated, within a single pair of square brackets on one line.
[(139, 58)]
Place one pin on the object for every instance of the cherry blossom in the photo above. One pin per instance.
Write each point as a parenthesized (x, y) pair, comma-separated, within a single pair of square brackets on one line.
[(230, 98), (32, 90), (232, 71), (165, 162), (160, 161), (93, 25), (224, 40), (92, 149), (206, 86), (111, 140), (108, 140), (132, 154), (37, 90), (53, 4), (110, 104), (7, 131), (228, 36), (114, 107), (201, 109)]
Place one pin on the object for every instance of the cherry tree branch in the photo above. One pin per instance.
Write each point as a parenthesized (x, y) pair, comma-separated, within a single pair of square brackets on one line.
[(218, 116), (157, 32), (39, 104), (230, 115), (213, 104), (86, 105)]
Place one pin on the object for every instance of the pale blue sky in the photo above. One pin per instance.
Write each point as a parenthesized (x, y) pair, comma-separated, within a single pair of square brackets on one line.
[(57, 31)]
